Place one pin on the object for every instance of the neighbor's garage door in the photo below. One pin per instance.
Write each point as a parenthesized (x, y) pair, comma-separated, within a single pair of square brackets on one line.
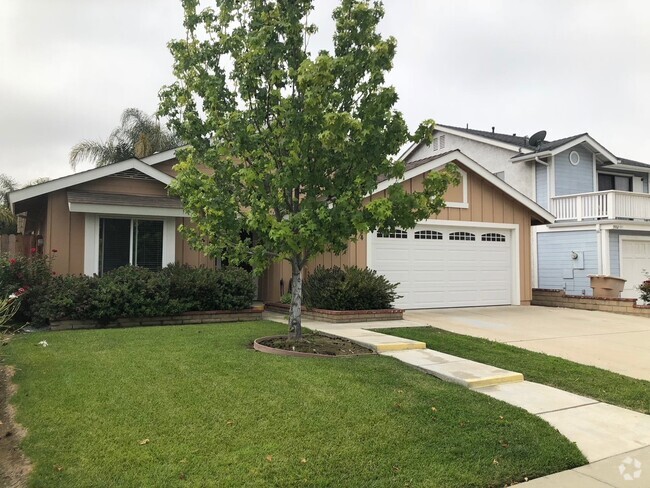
[(439, 266), (635, 261)]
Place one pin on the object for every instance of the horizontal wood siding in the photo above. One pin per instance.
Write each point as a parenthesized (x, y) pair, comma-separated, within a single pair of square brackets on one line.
[(555, 266), (126, 186), (570, 179)]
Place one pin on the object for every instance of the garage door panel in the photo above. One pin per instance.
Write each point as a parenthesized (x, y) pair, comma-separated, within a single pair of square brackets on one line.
[(446, 273)]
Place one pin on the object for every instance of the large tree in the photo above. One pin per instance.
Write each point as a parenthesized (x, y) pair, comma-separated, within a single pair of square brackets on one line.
[(296, 142), (138, 135)]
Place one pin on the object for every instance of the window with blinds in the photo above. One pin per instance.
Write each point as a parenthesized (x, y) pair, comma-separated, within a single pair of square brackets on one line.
[(130, 241)]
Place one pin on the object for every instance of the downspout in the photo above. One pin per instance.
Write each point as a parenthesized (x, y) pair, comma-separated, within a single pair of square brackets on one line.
[(543, 163), (599, 241)]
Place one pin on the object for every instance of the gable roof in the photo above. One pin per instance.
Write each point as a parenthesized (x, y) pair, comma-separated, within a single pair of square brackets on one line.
[(86, 176), (161, 156), (555, 147), (511, 139), (415, 168)]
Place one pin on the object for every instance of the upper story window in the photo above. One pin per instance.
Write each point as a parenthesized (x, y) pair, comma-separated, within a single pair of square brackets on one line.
[(442, 141), (614, 182)]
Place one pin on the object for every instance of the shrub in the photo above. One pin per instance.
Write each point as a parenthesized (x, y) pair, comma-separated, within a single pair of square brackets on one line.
[(208, 289), (350, 288), (66, 297), (644, 288), (131, 291), (33, 273), (138, 292)]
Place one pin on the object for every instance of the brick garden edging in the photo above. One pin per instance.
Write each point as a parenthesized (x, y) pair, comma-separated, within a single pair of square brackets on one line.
[(340, 316), (558, 298), (208, 317)]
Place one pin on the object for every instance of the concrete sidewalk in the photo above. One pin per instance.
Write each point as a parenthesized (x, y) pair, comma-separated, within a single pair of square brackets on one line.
[(614, 440)]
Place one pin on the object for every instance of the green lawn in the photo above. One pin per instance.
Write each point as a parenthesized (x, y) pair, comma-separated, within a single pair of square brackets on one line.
[(585, 380), (217, 413)]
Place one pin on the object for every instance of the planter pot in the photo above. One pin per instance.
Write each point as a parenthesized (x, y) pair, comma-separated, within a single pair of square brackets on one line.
[(607, 286)]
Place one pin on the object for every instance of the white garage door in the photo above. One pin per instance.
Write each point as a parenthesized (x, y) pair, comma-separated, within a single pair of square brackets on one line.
[(635, 258), (444, 266)]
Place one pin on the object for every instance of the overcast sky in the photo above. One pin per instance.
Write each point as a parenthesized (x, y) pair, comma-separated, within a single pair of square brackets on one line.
[(69, 67)]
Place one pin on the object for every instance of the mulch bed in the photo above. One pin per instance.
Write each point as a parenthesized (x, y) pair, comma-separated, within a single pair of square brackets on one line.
[(316, 344)]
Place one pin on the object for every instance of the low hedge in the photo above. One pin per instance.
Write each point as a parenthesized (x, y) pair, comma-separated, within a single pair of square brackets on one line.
[(348, 288), (138, 292)]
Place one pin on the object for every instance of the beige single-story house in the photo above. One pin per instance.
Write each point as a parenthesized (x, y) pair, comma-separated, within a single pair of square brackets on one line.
[(476, 252)]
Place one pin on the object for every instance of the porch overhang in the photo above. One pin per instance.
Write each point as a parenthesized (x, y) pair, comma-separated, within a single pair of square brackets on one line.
[(120, 204)]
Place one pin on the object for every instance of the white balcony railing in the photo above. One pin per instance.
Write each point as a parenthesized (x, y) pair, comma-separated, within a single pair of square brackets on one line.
[(602, 205)]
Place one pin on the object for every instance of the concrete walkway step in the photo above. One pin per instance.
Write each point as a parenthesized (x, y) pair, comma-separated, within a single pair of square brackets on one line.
[(456, 370), (624, 470), (372, 340)]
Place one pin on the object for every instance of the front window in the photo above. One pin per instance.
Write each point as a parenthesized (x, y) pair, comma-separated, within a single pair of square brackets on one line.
[(130, 241), (614, 182)]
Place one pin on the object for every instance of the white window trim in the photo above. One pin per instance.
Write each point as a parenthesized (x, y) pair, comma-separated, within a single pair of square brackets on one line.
[(91, 240), (622, 238), (515, 293)]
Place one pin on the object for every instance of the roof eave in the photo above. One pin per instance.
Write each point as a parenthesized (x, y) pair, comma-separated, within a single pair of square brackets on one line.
[(85, 176)]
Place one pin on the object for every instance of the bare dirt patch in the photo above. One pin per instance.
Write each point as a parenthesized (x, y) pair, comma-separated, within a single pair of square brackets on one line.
[(14, 465)]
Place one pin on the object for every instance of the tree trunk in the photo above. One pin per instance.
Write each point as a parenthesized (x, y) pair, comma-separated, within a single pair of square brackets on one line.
[(295, 315)]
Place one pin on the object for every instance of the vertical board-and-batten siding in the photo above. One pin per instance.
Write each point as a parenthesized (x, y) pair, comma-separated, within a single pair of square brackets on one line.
[(555, 267), (541, 185), (570, 179)]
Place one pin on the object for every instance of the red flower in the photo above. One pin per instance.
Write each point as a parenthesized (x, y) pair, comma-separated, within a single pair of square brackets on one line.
[(12, 261), (34, 250), (54, 250), (53, 273)]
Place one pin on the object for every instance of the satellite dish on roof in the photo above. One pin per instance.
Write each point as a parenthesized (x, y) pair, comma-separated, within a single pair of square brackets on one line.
[(537, 138)]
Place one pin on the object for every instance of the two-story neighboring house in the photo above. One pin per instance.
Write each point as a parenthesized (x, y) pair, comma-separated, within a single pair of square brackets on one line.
[(601, 202)]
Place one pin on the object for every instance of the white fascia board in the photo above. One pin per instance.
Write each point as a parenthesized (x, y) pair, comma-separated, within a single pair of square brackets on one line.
[(161, 156), (476, 168), (408, 151), (92, 208), (485, 140), (586, 138), (531, 156), (634, 169), (86, 176)]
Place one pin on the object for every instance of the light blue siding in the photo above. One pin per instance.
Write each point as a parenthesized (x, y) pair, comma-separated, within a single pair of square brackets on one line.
[(555, 268), (614, 248), (570, 179), (541, 185)]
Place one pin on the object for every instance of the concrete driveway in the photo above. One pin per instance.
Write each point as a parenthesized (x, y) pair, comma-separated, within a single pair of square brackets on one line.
[(618, 343)]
